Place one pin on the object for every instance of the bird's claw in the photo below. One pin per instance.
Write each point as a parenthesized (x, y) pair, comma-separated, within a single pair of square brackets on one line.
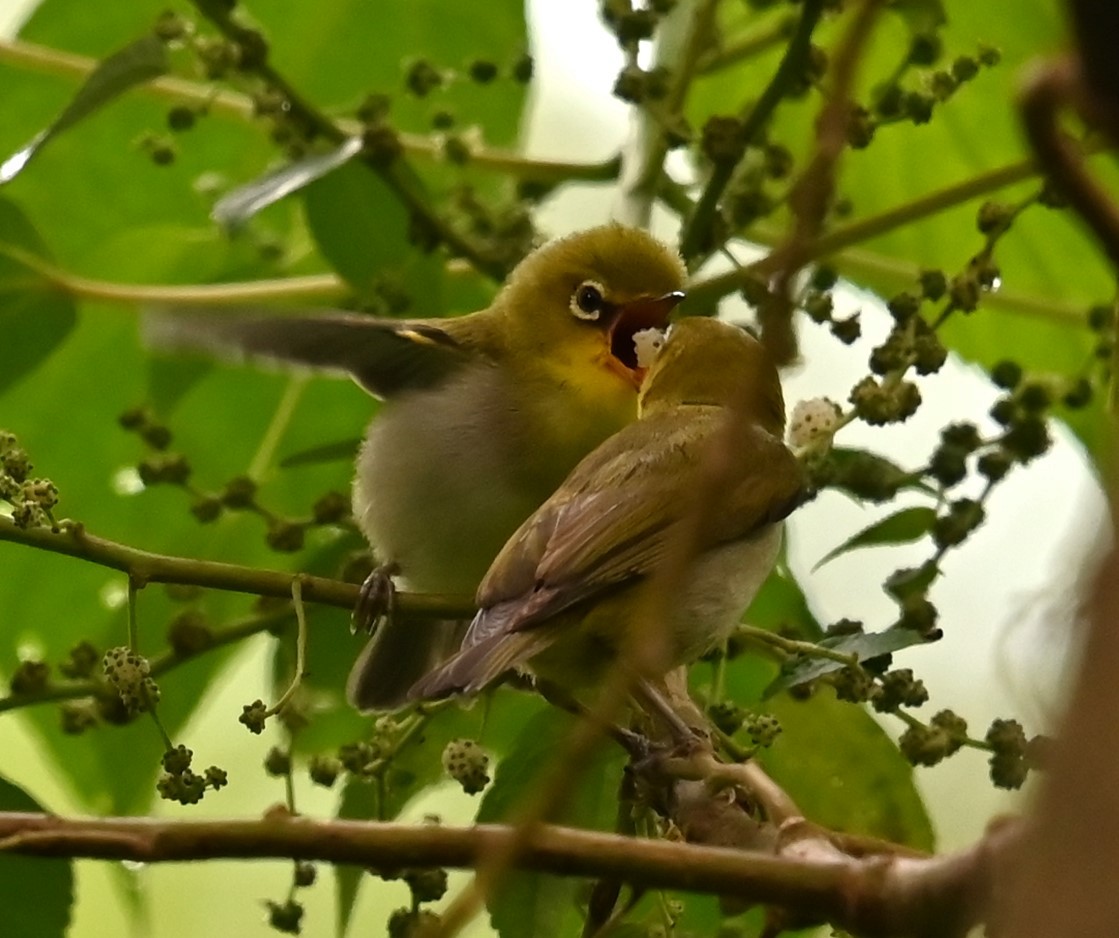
[(376, 600)]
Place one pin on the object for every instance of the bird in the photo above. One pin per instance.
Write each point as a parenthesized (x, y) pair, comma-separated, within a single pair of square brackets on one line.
[(697, 489), (482, 415)]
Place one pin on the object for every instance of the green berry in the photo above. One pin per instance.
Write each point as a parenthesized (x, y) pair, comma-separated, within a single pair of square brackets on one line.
[(965, 68), (423, 78), (181, 118), (426, 885), (277, 761), (925, 49), (30, 677), (285, 536), (994, 465), (324, 770), (1006, 374), (482, 71)]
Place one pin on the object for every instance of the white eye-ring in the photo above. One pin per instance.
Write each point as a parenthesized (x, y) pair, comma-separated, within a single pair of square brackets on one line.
[(588, 301)]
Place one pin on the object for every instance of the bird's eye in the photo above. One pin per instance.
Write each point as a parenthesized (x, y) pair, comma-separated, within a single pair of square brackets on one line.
[(588, 301)]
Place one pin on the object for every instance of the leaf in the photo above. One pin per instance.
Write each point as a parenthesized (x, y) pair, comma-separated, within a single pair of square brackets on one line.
[(921, 16), (36, 893), (834, 759), (780, 604), (866, 476), (34, 319), (362, 229), (902, 527), (138, 62), (536, 905), (235, 208), (831, 756), (844, 772), (865, 645)]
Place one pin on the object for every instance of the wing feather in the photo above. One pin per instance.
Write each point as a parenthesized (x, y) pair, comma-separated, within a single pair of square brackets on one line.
[(385, 356)]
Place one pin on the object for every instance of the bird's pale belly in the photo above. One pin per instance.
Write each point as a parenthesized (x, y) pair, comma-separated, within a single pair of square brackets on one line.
[(442, 506)]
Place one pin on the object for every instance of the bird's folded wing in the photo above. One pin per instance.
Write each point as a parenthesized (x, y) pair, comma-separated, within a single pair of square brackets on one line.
[(385, 356), (613, 519)]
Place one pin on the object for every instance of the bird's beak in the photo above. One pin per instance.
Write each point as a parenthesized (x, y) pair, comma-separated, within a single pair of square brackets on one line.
[(645, 312)]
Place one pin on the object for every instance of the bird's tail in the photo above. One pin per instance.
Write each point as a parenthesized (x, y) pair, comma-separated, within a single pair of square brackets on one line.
[(399, 654), (477, 666)]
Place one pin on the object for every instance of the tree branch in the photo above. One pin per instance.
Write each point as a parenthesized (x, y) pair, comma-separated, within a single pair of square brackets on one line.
[(40, 58), (895, 896), (812, 192), (793, 62), (144, 567)]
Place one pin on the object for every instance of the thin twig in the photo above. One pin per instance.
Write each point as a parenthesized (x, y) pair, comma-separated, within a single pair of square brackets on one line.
[(747, 45), (145, 567), (698, 227), (813, 190), (643, 160), (45, 59)]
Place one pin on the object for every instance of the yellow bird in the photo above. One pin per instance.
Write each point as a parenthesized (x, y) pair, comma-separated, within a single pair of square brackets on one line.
[(701, 481), (483, 414)]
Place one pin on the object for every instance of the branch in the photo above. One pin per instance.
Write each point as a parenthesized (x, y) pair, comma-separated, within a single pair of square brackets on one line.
[(895, 896), (645, 157), (812, 192), (313, 286), (56, 691), (792, 63), (30, 55), (396, 173), (144, 567), (1048, 89), (840, 239), (748, 45)]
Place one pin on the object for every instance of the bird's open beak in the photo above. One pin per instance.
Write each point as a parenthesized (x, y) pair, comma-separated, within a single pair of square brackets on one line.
[(646, 312)]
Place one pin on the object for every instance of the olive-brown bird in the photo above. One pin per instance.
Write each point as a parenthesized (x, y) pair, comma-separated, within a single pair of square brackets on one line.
[(705, 463), (483, 414)]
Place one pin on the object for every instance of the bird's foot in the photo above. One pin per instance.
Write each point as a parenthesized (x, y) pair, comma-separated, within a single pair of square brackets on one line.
[(376, 600)]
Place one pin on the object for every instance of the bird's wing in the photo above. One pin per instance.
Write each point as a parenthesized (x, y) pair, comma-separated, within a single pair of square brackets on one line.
[(385, 356), (612, 520)]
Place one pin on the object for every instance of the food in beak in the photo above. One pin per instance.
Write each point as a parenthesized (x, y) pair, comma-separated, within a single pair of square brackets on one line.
[(644, 313)]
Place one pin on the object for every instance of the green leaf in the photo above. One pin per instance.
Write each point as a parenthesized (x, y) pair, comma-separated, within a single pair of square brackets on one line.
[(780, 604), (922, 16), (844, 772), (34, 318), (867, 476), (362, 229), (832, 757), (36, 893), (138, 62), (535, 905), (902, 527), (864, 645)]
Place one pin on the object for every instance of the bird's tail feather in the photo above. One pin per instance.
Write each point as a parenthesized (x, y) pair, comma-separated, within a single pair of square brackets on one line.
[(399, 654), (477, 666)]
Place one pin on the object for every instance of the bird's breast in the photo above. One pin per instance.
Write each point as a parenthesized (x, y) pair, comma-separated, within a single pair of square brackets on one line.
[(721, 584), (447, 474)]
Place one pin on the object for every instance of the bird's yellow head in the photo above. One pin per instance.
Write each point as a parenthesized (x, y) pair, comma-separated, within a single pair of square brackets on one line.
[(579, 300), (705, 361)]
